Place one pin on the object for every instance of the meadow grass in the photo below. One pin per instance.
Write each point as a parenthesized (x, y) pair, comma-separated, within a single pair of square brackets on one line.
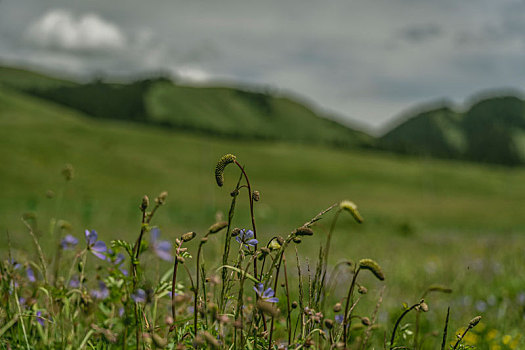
[(427, 222)]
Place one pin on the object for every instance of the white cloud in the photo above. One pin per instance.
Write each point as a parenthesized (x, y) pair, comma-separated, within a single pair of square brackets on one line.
[(192, 74), (60, 29)]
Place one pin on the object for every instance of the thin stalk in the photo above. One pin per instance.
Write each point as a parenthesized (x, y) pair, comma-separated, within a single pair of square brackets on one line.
[(173, 287), (227, 243), (275, 293), (288, 316), (250, 195), (347, 305), (445, 331)]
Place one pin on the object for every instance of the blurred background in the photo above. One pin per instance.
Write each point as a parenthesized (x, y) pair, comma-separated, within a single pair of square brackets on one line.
[(411, 109)]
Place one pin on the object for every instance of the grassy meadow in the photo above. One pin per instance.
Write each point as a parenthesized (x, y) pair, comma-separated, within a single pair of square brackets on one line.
[(427, 221)]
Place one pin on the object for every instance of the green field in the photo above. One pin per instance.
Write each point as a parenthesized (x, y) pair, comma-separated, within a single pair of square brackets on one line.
[(426, 221)]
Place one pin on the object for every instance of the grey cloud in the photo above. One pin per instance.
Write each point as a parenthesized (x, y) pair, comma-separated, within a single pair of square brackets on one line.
[(421, 32)]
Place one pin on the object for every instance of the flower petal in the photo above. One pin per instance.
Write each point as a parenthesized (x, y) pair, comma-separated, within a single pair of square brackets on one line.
[(155, 232), (99, 246), (272, 300), (91, 237), (248, 234), (268, 293)]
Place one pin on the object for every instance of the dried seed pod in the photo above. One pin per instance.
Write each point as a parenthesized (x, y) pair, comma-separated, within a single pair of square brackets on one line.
[(337, 307), (328, 323), (294, 305), (180, 259), (297, 240), (256, 196), (369, 264), (218, 226), (362, 290), (235, 232), (352, 208), (303, 231), (221, 165), (365, 321), (145, 203), (68, 172), (161, 198), (423, 307), (474, 322), (188, 236)]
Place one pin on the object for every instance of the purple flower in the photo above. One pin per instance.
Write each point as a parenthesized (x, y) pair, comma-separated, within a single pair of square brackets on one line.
[(30, 274), (339, 318), (74, 282), (68, 242), (102, 292), (96, 247), (139, 296), (118, 261), (160, 248), (267, 295), (15, 264), (39, 318), (246, 238), (22, 301)]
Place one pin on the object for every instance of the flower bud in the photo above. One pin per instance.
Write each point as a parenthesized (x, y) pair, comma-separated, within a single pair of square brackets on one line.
[(188, 236), (145, 203), (256, 196)]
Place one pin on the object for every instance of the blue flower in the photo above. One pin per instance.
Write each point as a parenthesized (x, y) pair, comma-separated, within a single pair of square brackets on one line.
[(74, 282), (267, 295), (160, 248), (30, 274), (94, 246), (102, 292), (15, 264), (39, 318), (246, 238), (117, 260), (68, 242), (139, 296), (339, 318)]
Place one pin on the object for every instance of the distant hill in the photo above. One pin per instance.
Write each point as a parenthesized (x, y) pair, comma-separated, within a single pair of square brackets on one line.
[(491, 130), (217, 111)]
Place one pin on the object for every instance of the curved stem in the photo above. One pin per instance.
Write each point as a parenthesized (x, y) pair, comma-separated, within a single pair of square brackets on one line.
[(392, 338), (251, 213), (347, 305)]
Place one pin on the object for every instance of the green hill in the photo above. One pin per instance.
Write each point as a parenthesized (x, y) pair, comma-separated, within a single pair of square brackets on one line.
[(217, 111), (491, 131)]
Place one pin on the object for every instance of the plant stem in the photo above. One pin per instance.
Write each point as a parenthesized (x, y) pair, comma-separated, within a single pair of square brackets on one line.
[(347, 305)]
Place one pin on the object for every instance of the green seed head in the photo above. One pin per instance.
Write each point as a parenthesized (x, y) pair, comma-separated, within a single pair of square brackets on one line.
[(352, 209), (68, 172), (188, 236), (221, 165), (439, 288), (217, 227), (474, 321), (303, 231), (369, 264)]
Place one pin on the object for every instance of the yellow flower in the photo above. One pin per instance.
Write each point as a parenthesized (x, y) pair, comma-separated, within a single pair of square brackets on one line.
[(493, 333), (506, 339), (495, 347)]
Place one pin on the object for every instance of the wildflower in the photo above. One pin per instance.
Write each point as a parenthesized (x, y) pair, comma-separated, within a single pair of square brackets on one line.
[(39, 318), (339, 318), (118, 260), (15, 264), (246, 238), (68, 242), (74, 282), (30, 274), (96, 247), (102, 292), (267, 295), (160, 248), (139, 296)]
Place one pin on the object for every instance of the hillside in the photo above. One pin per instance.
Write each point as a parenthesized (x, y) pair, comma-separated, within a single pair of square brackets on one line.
[(491, 130), (217, 111)]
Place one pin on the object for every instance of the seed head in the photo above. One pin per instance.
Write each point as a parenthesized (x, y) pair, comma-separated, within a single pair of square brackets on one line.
[(188, 236), (256, 196), (352, 208), (362, 290), (303, 231), (297, 240), (337, 307), (365, 321), (274, 245), (328, 323), (235, 232), (68, 172), (180, 259), (474, 322), (217, 227), (423, 307), (369, 264), (161, 199), (204, 240), (145, 203), (294, 305), (221, 165)]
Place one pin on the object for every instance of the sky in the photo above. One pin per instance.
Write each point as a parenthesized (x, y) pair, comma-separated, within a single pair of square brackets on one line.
[(365, 62)]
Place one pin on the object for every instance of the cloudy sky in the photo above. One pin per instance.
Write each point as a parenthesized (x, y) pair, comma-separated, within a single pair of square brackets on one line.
[(365, 61)]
